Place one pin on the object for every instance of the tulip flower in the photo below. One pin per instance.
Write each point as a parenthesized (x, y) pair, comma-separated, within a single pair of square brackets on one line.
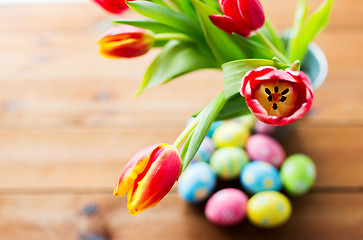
[(240, 16), (125, 42), (277, 97), (149, 176), (113, 6)]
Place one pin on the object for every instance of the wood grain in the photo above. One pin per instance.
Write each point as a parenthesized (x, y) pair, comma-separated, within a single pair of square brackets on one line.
[(44, 216), (69, 122), (93, 158)]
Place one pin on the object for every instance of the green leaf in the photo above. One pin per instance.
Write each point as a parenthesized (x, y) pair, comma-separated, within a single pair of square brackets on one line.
[(149, 24), (176, 58), (314, 25), (213, 4), (207, 116), (221, 43), (271, 33), (300, 17), (168, 17), (234, 107), (160, 2), (254, 48), (234, 71)]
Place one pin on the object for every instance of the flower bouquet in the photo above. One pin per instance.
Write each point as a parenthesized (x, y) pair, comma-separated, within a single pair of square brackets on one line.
[(261, 73)]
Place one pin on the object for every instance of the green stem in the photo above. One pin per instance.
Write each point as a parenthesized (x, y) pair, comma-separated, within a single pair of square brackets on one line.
[(267, 42), (207, 116), (186, 132), (173, 36)]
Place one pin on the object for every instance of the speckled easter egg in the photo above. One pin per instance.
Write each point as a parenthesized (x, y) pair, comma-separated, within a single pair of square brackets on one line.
[(260, 176), (298, 174), (226, 207), (268, 209), (231, 134), (227, 162), (205, 150), (197, 182), (261, 147)]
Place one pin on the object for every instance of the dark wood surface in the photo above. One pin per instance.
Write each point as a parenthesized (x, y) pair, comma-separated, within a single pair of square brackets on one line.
[(69, 122)]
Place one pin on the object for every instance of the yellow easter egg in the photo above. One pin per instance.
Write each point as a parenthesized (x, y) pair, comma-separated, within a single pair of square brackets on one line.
[(231, 134), (268, 209)]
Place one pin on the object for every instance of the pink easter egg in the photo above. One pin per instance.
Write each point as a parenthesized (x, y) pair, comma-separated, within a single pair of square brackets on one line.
[(226, 207), (264, 128), (261, 147)]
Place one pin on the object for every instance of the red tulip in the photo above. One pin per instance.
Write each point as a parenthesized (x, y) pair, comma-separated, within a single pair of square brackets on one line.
[(125, 42), (113, 6), (277, 97), (240, 16), (149, 176)]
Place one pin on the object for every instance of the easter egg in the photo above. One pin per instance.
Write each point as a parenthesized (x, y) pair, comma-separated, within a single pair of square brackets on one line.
[(197, 182), (227, 162), (261, 147), (260, 176), (213, 128), (205, 150), (268, 209), (230, 134), (226, 207), (247, 120), (264, 128), (298, 174)]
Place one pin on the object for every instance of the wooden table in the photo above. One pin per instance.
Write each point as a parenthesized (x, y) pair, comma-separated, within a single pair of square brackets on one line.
[(69, 122)]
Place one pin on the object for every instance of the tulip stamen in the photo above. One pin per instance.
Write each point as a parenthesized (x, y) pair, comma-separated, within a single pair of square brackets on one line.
[(274, 106), (276, 89), (285, 91)]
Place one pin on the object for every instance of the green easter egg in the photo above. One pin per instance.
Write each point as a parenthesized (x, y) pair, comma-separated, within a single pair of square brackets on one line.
[(227, 162), (231, 134), (298, 174)]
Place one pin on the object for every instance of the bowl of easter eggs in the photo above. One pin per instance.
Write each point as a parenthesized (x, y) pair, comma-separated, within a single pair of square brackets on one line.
[(246, 151)]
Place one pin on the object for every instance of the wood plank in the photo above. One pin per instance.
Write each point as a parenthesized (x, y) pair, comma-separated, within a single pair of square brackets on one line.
[(43, 216), (86, 158), (345, 13), (109, 101)]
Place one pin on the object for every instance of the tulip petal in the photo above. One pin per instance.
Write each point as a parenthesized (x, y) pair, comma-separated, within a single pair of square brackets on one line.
[(277, 97), (278, 74), (157, 179), (251, 76), (252, 13), (133, 168), (113, 6), (229, 25), (125, 42)]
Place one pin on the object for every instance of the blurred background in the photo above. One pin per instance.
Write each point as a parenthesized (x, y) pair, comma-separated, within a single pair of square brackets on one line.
[(69, 123)]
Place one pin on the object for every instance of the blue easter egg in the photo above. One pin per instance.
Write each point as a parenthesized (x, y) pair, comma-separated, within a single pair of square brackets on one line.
[(258, 176), (197, 182), (205, 150)]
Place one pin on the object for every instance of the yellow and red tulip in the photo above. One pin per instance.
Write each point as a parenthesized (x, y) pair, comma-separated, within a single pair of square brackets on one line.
[(113, 6), (240, 16), (277, 97), (149, 176), (125, 42)]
